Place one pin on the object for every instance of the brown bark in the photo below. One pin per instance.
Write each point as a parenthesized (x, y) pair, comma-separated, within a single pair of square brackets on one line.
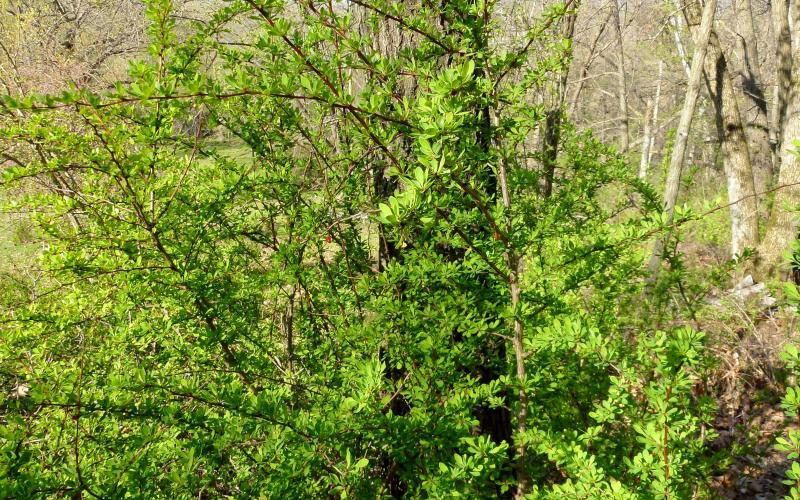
[(731, 136), (554, 115), (625, 135), (643, 160), (783, 76), (735, 152), (783, 225), (654, 126), (755, 103), (677, 26), (682, 133)]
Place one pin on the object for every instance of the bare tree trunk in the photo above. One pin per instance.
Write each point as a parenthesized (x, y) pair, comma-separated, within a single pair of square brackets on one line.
[(646, 141), (682, 133), (554, 115), (783, 226), (621, 80), (756, 123), (735, 152), (677, 26), (783, 77), (654, 126), (731, 135)]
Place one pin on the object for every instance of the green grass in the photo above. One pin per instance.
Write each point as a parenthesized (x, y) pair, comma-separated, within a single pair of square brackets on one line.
[(230, 148), (18, 246)]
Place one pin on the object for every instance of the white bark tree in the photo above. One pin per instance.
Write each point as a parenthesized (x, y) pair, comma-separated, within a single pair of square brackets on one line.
[(731, 135), (783, 225), (754, 113), (682, 133)]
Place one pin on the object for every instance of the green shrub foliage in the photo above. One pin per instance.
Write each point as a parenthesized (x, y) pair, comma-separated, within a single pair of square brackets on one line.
[(790, 442), (308, 250)]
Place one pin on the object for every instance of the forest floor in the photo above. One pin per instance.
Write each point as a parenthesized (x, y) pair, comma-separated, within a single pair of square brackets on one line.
[(750, 379), (759, 473)]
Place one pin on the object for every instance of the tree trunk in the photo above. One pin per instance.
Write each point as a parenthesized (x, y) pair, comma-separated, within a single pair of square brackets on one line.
[(677, 27), (731, 135), (625, 134), (654, 126), (782, 230), (551, 132), (756, 123), (682, 133), (783, 76), (643, 161), (735, 153)]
